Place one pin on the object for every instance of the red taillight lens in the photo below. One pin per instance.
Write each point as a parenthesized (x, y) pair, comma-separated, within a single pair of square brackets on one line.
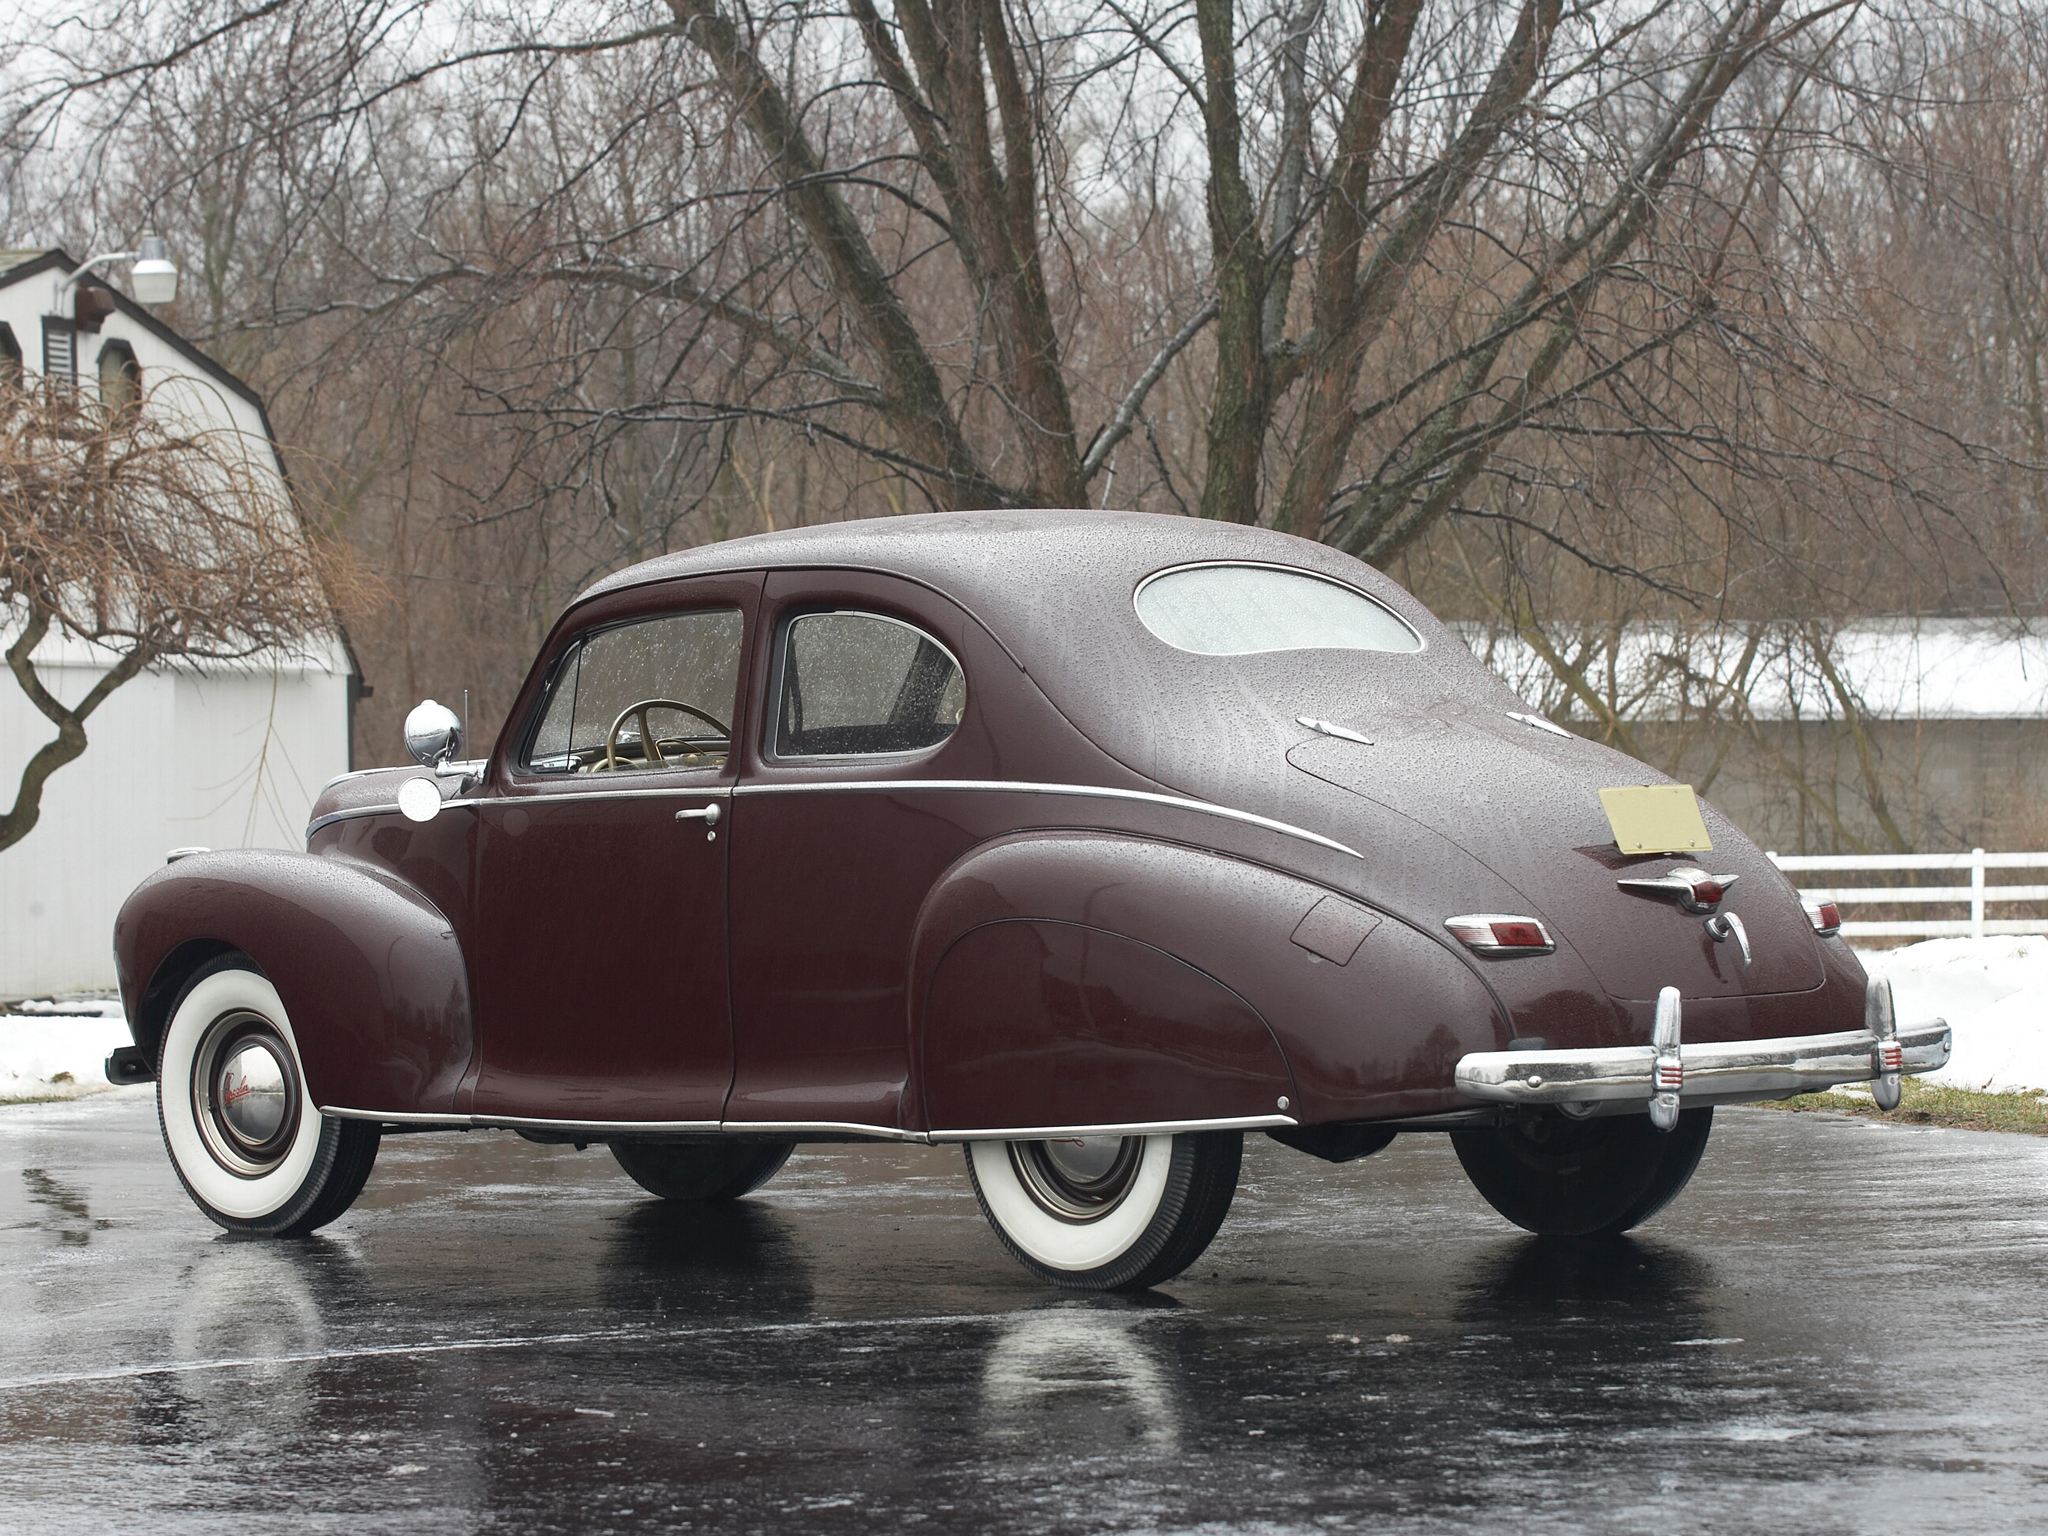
[(1708, 893), (1500, 933), (1825, 916)]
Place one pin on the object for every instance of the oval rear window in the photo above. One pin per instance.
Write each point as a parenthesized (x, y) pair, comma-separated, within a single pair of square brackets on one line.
[(1239, 610)]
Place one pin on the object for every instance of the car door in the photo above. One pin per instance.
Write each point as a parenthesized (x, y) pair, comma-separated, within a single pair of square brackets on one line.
[(837, 840), (600, 965)]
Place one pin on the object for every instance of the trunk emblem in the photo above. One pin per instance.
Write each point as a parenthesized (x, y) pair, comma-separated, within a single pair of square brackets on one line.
[(1693, 889)]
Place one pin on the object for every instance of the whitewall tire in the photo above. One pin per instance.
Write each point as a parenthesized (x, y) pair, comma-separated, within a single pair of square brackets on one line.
[(1107, 1213), (249, 1146)]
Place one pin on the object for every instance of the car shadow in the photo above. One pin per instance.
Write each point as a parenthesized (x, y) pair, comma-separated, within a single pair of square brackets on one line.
[(1540, 1272), (1625, 1296), (674, 1257)]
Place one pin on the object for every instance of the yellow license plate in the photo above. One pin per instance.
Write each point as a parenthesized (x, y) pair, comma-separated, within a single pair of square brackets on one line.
[(1656, 818)]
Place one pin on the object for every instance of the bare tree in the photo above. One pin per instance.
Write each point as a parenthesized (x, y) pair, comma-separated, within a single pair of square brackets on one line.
[(1576, 310), (145, 543)]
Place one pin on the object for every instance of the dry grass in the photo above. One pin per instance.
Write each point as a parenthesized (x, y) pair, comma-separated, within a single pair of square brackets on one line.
[(2024, 1110)]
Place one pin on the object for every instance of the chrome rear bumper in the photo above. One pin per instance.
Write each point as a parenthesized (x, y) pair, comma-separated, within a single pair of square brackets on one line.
[(1712, 1073)]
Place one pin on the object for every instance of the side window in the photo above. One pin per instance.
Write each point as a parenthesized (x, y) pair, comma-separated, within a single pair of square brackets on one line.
[(656, 694), (857, 683)]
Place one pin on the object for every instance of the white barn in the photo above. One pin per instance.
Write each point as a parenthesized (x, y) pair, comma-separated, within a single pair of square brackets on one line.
[(209, 755)]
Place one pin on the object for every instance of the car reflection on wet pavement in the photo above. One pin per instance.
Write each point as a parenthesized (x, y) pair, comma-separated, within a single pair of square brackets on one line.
[(1839, 1326)]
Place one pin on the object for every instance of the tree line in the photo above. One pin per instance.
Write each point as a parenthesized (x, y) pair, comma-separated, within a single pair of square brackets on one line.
[(1571, 316)]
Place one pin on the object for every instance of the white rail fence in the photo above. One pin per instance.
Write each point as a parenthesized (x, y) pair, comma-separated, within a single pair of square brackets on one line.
[(1977, 895)]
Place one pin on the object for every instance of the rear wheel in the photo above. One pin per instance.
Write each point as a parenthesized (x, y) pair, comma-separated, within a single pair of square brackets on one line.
[(250, 1150), (1559, 1177), (1107, 1213), (699, 1171)]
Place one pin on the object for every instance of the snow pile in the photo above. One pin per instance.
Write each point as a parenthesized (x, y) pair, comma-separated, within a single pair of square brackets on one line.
[(1994, 994), (59, 1050)]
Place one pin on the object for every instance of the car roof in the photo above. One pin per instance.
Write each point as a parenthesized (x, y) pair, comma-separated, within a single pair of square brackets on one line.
[(1055, 589), (1005, 565)]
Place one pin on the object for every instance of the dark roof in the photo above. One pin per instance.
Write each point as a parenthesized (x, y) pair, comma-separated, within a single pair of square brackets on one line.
[(1040, 581), (1007, 566)]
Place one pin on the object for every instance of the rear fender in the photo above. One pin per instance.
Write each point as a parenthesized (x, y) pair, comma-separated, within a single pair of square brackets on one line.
[(370, 971), (1058, 977)]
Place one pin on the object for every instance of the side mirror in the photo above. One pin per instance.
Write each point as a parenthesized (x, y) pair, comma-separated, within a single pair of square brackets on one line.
[(432, 734)]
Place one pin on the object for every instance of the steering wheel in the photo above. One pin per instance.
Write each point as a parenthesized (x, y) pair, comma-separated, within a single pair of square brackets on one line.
[(649, 744)]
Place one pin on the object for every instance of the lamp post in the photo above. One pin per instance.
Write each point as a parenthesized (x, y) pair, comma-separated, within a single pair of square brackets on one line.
[(154, 275)]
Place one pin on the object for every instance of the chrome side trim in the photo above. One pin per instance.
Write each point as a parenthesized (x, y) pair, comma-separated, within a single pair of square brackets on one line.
[(800, 1128), (818, 1127), (510, 800), (1129, 1128), (521, 1122), (1078, 791), (1712, 1073), (625, 1127), (351, 814), (664, 792), (452, 1122)]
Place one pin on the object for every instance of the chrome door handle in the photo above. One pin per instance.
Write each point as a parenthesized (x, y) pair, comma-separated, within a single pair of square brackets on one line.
[(707, 814)]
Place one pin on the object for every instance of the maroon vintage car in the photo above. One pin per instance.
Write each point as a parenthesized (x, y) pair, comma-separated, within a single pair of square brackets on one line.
[(1090, 841)]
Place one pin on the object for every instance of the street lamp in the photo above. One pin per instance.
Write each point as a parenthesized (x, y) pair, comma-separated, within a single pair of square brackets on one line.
[(154, 275)]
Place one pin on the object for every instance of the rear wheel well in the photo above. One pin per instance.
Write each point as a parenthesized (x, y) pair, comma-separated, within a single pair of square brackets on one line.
[(176, 969)]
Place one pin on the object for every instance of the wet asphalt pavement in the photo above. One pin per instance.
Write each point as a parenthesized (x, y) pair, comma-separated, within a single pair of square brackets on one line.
[(1838, 1327)]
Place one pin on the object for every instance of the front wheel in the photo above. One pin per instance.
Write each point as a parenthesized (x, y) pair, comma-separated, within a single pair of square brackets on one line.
[(1107, 1213), (1559, 1177), (250, 1150)]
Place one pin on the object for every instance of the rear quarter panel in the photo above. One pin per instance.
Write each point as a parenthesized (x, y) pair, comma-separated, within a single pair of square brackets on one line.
[(1375, 1036)]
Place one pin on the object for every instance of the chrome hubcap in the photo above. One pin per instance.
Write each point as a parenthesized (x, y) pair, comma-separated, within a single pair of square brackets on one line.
[(1078, 1178), (245, 1094)]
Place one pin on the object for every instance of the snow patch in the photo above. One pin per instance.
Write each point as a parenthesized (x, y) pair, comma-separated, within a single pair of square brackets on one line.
[(59, 1050), (1994, 994)]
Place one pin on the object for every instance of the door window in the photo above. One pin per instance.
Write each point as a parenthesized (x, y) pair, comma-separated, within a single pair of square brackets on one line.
[(856, 684), (652, 695)]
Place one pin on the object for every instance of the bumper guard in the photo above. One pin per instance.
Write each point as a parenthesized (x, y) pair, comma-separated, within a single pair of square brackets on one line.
[(1668, 1074)]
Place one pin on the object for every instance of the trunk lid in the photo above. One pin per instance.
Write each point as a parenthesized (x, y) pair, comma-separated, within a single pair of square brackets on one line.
[(1526, 804)]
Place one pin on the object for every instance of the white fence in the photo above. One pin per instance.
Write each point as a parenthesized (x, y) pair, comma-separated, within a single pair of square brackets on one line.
[(1977, 895)]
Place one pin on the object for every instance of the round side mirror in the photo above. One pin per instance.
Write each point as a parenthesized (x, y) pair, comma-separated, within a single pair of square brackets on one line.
[(432, 734)]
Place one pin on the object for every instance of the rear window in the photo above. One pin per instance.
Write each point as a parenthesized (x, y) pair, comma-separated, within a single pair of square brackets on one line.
[(1239, 610)]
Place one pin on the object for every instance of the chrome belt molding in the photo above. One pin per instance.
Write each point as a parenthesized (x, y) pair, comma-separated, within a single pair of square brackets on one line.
[(1668, 1073)]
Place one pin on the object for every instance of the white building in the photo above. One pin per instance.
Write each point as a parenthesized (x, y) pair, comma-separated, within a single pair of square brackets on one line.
[(207, 754), (1951, 722)]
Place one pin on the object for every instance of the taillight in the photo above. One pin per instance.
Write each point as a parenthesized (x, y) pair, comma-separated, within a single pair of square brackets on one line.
[(1825, 916), (1500, 933)]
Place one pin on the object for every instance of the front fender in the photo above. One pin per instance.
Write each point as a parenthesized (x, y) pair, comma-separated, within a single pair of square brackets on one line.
[(1376, 1034), (370, 971)]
